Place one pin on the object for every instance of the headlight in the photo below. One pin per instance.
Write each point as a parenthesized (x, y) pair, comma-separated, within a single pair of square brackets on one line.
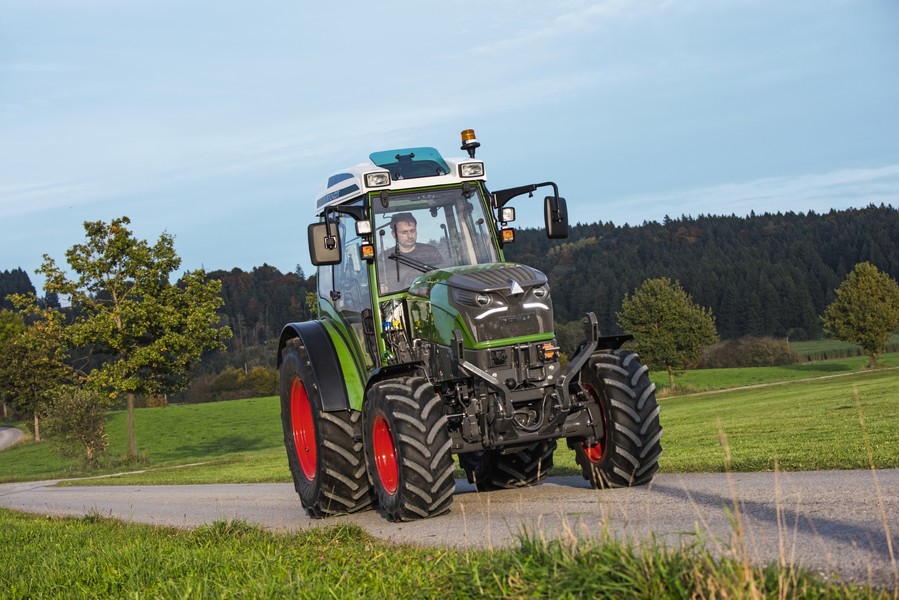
[(379, 179), (471, 169), (541, 292), (472, 298)]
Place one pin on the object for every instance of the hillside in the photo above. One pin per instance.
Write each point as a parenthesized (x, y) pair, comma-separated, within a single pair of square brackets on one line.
[(762, 274)]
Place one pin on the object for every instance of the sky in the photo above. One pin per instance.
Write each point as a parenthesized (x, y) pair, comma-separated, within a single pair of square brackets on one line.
[(218, 122)]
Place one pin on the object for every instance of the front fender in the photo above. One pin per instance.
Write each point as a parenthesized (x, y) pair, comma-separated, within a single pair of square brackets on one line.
[(332, 364)]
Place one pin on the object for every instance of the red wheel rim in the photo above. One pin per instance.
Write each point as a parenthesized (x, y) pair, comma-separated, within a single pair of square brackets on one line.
[(303, 428), (595, 452), (385, 455)]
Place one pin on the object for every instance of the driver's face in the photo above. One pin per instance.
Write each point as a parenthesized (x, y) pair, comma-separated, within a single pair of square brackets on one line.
[(405, 234)]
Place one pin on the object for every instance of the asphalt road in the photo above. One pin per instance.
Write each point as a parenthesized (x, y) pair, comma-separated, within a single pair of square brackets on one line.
[(834, 522)]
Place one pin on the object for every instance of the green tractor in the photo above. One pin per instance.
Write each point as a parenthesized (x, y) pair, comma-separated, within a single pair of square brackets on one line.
[(428, 344)]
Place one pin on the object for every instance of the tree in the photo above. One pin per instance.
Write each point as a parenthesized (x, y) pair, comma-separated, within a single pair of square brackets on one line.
[(312, 304), (670, 330), (77, 418), (148, 331), (11, 325), (32, 361), (13, 282), (865, 311)]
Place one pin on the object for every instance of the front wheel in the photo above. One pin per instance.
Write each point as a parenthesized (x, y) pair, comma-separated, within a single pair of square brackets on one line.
[(629, 452), (323, 454), (407, 449)]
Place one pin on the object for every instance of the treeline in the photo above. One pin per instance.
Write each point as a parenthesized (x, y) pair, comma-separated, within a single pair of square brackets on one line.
[(762, 275), (770, 274), (15, 281), (260, 302)]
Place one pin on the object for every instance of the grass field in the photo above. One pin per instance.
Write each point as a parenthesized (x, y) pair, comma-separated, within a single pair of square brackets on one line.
[(817, 349), (807, 417), (817, 416), (92, 557)]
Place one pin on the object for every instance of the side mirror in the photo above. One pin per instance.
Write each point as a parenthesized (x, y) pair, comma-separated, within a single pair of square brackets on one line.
[(324, 249), (555, 214)]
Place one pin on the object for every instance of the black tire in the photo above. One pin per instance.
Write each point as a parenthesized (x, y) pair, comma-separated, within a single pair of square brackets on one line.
[(492, 470), (323, 451), (407, 449), (629, 453)]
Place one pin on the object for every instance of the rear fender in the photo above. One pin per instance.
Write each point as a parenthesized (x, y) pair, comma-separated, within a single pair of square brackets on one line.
[(336, 375)]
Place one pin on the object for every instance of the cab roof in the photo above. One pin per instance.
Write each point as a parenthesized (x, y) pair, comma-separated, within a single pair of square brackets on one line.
[(403, 168)]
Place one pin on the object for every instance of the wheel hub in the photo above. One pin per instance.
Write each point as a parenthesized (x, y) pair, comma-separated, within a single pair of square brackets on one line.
[(385, 455), (303, 429)]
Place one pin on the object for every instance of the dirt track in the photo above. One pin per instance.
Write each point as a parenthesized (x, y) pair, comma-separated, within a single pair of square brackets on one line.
[(828, 521)]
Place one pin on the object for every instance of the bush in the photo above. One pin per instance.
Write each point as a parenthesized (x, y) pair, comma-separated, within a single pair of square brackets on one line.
[(750, 351), (77, 418), (263, 381), (228, 380), (232, 384)]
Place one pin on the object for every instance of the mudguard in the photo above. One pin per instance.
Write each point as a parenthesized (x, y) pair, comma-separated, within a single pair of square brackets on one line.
[(333, 368)]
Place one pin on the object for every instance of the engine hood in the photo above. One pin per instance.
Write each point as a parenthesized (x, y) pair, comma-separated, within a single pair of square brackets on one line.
[(488, 303)]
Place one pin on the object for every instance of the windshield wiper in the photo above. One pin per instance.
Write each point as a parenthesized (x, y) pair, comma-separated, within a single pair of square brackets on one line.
[(415, 264)]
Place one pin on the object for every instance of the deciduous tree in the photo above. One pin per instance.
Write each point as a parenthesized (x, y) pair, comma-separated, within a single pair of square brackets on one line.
[(149, 331), (865, 310), (670, 329), (32, 361), (11, 324)]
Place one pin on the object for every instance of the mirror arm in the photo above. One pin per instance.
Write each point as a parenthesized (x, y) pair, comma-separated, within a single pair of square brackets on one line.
[(330, 240), (502, 197)]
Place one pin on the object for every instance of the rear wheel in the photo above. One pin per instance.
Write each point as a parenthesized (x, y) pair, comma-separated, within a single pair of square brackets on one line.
[(324, 457), (493, 470), (629, 452), (407, 449)]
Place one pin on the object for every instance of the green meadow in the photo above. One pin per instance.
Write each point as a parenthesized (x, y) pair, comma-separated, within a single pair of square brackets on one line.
[(827, 415), (830, 415)]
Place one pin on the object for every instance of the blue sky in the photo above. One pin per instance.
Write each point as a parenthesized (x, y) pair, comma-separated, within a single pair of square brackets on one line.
[(218, 122)]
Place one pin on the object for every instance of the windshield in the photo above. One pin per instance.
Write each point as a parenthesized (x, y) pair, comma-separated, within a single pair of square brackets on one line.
[(421, 231)]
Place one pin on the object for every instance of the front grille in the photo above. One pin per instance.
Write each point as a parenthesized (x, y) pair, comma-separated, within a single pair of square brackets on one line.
[(507, 289), (507, 326)]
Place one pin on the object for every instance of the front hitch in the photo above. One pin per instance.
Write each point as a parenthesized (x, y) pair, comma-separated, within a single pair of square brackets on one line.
[(586, 349)]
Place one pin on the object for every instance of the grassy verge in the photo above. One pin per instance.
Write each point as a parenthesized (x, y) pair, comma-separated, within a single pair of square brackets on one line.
[(222, 434), (94, 557), (800, 425)]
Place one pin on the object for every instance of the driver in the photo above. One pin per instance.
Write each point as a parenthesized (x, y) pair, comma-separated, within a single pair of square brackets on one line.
[(404, 229)]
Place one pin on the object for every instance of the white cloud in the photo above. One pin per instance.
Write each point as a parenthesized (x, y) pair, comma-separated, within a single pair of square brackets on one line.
[(816, 191)]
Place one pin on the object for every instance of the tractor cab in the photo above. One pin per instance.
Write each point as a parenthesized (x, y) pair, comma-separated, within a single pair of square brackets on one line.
[(401, 226)]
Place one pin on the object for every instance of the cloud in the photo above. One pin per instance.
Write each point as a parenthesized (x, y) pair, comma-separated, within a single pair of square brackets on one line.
[(819, 192), (562, 21)]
